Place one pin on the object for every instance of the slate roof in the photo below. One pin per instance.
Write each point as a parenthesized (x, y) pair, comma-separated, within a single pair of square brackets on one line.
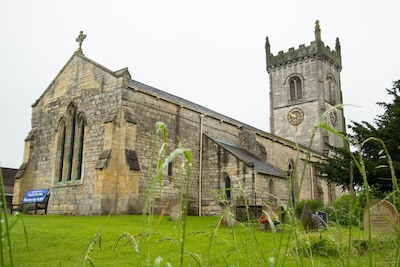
[(242, 154), (8, 176), (174, 99), (186, 103), (147, 89), (8, 180), (249, 159)]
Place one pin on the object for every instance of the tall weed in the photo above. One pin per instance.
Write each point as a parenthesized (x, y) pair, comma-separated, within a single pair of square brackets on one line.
[(6, 225), (342, 244), (161, 160)]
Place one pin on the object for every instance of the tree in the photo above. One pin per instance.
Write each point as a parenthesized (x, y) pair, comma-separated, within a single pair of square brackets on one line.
[(337, 168)]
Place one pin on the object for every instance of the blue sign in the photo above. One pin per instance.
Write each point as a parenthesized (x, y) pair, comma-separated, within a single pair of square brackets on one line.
[(33, 196)]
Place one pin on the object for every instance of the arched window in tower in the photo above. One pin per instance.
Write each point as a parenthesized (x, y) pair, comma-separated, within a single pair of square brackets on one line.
[(331, 89), (295, 88), (69, 151), (227, 186)]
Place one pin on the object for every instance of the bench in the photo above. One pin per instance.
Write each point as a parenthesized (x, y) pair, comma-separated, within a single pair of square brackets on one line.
[(33, 200)]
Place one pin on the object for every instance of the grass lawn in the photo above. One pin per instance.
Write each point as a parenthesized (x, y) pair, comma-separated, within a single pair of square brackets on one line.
[(64, 241)]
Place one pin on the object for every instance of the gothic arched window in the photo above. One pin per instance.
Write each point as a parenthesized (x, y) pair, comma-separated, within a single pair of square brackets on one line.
[(78, 147), (227, 187), (61, 129), (69, 151), (295, 88)]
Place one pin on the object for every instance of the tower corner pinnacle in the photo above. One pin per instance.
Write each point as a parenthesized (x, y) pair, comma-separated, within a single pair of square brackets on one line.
[(317, 31)]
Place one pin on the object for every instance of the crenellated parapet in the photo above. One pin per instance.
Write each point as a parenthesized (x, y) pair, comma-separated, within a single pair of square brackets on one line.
[(316, 50)]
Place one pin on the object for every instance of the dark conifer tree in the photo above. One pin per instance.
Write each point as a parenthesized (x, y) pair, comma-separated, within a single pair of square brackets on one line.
[(338, 169)]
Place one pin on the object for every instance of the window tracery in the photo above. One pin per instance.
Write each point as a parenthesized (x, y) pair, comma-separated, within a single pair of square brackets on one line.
[(70, 141), (295, 88)]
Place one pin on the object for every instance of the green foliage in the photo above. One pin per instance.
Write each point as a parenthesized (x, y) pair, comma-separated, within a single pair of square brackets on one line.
[(377, 150), (149, 240), (62, 241), (67, 240), (335, 248), (347, 209), (337, 167), (319, 245), (315, 205), (162, 161), (6, 225)]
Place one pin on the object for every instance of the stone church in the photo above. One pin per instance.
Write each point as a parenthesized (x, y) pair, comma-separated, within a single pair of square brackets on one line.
[(91, 140)]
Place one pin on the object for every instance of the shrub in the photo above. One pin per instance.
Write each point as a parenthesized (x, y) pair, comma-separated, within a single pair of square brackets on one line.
[(347, 209), (320, 246)]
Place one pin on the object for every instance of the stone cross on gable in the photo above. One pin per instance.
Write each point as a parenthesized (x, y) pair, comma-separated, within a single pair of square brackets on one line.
[(80, 39)]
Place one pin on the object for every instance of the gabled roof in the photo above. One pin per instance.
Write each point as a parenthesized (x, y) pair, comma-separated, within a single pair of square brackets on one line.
[(144, 88), (135, 85), (8, 176), (118, 73), (186, 103), (257, 164)]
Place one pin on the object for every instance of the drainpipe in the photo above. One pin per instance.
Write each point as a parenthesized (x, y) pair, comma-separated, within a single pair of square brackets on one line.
[(200, 160), (254, 174), (312, 182)]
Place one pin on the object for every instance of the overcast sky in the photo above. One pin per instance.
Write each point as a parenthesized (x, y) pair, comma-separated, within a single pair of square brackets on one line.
[(210, 52)]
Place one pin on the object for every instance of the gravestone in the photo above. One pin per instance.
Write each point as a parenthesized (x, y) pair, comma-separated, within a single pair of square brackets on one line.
[(382, 218), (174, 208), (176, 212), (320, 219), (313, 220), (240, 201), (305, 217)]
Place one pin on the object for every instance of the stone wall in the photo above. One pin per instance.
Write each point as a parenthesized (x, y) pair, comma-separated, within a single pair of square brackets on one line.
[(217, 164), (314, 65), (95, 92), (119, 151)]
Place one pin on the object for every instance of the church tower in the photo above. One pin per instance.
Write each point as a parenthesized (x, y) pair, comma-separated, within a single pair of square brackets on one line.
[(304, 84)]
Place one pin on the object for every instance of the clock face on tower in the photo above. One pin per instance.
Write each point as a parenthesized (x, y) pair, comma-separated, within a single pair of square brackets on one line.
[(295, 116)]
